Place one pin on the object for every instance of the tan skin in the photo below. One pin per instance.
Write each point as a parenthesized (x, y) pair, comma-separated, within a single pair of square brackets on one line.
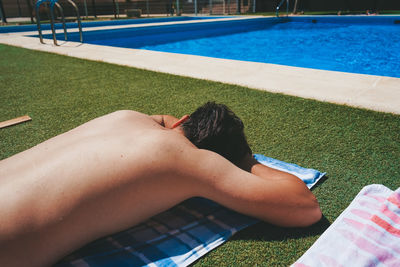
[(119, 170)]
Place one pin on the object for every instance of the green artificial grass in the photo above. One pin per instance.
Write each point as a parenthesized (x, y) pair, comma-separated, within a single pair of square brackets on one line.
[(355, 147)]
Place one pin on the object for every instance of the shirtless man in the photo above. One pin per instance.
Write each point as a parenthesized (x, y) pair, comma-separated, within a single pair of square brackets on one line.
[(120, 169)]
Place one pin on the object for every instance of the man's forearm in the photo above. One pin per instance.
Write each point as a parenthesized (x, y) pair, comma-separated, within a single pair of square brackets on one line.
[(253, 166), (307, 205)]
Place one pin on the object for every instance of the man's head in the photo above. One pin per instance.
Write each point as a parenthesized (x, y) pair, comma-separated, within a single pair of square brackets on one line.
[(215, 127)]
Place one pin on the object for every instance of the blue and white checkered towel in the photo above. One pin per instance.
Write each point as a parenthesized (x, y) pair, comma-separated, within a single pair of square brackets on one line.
[(178, 236)]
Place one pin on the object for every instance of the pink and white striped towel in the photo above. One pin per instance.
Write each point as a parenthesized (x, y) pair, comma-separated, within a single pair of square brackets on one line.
[(367, 233)]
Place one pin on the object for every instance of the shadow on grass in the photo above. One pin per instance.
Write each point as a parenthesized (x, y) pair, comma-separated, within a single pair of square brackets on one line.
[(320, 182), (267, 232)]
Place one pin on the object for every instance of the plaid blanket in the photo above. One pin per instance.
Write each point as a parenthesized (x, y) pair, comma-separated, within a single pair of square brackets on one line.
[(178, 236), (367, 233)]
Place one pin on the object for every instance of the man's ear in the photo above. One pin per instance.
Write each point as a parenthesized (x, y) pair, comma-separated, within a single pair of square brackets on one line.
[(180, 121)]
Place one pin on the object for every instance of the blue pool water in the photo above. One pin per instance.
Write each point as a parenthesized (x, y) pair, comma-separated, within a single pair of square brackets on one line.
[(367, 45), (367, 49)]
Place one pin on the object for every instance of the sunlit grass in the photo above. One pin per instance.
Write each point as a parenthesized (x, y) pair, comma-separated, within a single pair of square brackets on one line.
[(355, 147)]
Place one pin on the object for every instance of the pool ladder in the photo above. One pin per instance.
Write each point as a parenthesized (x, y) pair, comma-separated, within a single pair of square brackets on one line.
[(52, 4), (279, 6)]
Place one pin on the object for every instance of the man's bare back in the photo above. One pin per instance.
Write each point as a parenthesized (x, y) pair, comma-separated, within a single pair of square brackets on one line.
[(116, 171)]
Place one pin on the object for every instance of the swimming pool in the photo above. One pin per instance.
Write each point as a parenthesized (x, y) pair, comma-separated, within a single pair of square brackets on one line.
[(356, 44)]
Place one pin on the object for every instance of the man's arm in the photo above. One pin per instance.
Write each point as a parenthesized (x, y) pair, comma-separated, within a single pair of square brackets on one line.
[(270, 195), (250, 164)]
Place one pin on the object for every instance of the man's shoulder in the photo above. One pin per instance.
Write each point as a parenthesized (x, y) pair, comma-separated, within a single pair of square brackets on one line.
[(203, 164), (118, 117), (124, 114), (172, 142)]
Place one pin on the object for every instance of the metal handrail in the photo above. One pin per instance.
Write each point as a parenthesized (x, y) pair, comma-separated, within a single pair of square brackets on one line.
[(63, 19), (38, 3), (52, 4), (279, 6), (78, 17)]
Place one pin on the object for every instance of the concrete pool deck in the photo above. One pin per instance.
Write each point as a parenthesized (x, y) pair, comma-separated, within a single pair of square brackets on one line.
[(377, 93)]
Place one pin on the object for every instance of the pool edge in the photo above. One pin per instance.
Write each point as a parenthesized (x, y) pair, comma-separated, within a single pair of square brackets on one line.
[(357, 90)]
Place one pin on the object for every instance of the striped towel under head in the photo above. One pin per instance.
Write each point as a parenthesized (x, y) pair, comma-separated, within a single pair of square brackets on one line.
[(178, 236), (367, 233)]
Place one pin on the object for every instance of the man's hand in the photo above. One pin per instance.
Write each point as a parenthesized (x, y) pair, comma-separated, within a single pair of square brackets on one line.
[(247, 162), (166, 121), (250, 164)]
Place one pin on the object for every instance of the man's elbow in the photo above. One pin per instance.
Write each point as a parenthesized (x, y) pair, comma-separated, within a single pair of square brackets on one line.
[(314, 216), (304, 215), (311, 214)]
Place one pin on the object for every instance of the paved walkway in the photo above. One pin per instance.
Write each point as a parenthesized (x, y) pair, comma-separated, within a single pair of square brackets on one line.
[(366, 91)]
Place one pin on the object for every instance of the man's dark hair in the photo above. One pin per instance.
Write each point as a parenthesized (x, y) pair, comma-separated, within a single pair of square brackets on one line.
[(215, 127)]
